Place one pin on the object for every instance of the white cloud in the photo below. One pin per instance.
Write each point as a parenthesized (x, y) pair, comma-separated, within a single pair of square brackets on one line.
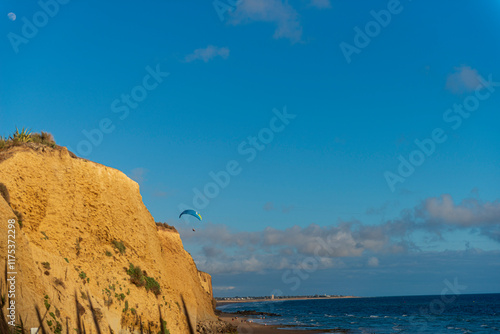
[(208, 53), (225, 251), (465, 79), (283, 15), (223, 288), (470, 212)]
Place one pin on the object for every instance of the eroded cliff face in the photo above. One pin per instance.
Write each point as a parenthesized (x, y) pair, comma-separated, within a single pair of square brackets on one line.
[(73, 210)]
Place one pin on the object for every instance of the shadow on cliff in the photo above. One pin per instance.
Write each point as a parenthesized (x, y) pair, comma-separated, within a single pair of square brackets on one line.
[(5, 328)]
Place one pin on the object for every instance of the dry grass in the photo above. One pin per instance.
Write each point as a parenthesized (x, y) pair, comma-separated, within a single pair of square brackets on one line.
[(165, 226), (44, 138)]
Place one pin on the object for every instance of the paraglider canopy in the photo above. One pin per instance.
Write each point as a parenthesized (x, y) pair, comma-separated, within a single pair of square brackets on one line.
[(191, 213)]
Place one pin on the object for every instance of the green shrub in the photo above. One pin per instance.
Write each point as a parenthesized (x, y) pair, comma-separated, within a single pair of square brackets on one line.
[(82, 275), (139, 278), (58, 329), (153, 286), (136, 275), (119, 246), (44, 138), (108, 253), (120, 296), (164, 327), (46, 302), (46, 265), (126, 306), (36, 138)]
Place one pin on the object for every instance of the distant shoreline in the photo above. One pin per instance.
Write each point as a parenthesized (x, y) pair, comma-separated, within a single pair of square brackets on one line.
[(234, 301), (245, 323)]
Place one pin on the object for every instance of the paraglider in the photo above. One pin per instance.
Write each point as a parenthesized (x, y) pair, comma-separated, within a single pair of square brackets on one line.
[(191, 213)]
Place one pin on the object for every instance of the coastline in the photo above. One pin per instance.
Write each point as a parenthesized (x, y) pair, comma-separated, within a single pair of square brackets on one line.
[(245, 324), (234, 301)]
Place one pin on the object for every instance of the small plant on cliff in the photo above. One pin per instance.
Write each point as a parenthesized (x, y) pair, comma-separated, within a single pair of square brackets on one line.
[(44, 138), (58, 328), (120, 296), (46, 302), (23, 136), (119, 246), (153, 286), (139, 278), (126, 307), (136, 276), (46, 265), (82, 275)]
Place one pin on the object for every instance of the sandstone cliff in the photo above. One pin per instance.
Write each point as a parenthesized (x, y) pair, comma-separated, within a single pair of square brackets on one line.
[(76, 215)]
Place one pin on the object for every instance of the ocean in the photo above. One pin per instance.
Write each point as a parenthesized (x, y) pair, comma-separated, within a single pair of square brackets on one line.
[(478, 313)]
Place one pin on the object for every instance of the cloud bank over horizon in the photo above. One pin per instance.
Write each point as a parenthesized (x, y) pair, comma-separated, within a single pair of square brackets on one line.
[(415, 232)]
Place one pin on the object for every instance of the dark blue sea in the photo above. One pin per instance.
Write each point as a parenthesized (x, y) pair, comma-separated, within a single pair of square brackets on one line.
[(413, 314)]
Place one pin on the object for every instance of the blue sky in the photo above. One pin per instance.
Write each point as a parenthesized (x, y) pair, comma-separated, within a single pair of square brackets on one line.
[(172, 92)]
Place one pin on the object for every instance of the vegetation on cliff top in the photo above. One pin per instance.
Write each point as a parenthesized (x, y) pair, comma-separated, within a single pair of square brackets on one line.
[(20, 137)]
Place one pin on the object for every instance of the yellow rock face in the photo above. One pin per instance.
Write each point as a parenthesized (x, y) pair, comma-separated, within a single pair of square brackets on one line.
[(73, 210)]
